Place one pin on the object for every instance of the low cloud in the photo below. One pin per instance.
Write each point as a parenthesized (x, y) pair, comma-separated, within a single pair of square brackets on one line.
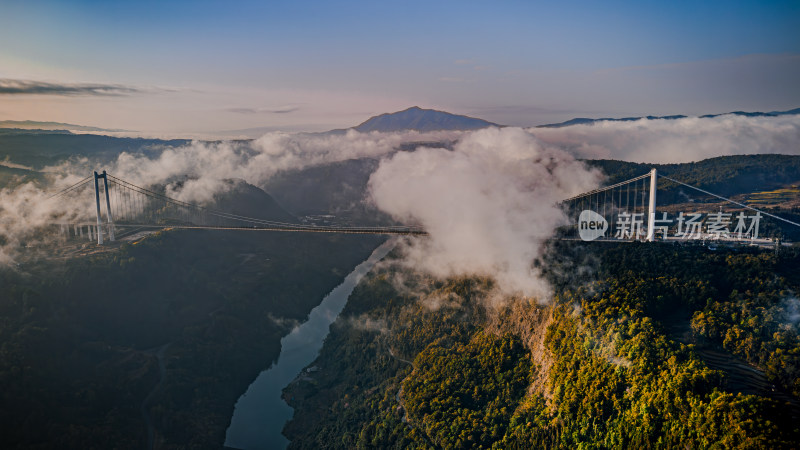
[(192, 173), (26, 207), (677, 140), (363, 322), (488, 205), (208, 163), (791, 310), (30, 87)]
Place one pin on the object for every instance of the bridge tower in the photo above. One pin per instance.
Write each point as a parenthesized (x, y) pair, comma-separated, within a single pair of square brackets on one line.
[(651, 216), (108, 208)]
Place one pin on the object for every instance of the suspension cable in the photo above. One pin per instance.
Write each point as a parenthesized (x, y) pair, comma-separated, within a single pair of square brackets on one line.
[(213, 212), (74, 186), (263, 222), (731, 201), (598, 190)]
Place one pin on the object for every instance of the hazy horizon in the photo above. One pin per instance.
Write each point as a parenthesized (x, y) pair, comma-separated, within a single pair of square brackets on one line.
[(194, 68)]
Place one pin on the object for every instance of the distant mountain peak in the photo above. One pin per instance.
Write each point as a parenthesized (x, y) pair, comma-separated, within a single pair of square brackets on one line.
[(419, 119), (36, 125)]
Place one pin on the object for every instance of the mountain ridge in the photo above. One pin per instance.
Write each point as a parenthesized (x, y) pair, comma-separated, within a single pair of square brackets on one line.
[(413, 118), (588, 121), (419, 119), (51, 126)]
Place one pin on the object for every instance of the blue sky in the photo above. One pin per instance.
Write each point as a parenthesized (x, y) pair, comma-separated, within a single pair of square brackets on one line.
[(201, 66)]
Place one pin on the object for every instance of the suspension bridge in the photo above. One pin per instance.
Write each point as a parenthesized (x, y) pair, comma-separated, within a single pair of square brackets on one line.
[(625, 211), (628, 211), (119, 204)]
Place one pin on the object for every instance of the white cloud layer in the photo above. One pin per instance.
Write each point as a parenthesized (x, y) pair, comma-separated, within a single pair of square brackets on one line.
[(26, 207), (677, 140), (209, 163), (488, 205)]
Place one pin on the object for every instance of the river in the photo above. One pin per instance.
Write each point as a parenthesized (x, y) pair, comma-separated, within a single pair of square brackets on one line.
[(261, 413)]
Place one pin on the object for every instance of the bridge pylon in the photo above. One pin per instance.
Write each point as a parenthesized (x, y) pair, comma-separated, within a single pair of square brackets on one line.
[(651, 216), (109, 217)]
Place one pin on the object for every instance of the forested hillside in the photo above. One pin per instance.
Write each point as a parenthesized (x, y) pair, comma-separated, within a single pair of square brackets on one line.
[(622, 357)]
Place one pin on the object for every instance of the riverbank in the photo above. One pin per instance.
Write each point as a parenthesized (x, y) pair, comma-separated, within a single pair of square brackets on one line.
[(261, 413)]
